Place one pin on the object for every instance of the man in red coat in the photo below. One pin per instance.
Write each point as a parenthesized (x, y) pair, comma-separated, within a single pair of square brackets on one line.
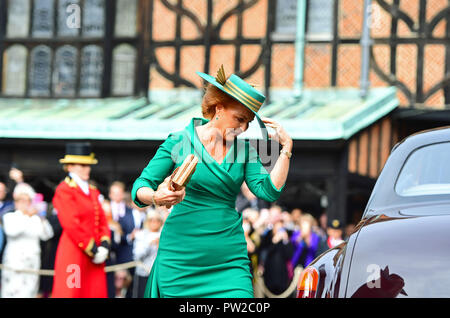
[(85, 241)]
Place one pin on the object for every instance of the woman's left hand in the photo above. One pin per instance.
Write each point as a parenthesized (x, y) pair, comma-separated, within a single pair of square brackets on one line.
[(166, 196), (281, 136)]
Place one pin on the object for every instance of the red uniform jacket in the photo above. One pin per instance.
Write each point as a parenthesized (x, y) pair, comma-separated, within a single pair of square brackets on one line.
[(84, 228)]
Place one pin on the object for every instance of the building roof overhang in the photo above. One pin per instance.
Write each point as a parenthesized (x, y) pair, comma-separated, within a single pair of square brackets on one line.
[(319, 114)]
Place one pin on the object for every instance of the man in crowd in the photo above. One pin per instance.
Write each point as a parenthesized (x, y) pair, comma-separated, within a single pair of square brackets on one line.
[(123, 214), (333, 237), (5, 204)]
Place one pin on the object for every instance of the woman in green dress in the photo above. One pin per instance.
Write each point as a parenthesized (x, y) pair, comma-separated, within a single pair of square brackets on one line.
[(202, 250)]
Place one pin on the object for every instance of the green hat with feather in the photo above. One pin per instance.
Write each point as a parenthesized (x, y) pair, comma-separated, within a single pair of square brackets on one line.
[(240, 90)]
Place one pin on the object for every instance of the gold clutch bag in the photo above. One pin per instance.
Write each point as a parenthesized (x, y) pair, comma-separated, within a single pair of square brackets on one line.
[(181, 175)]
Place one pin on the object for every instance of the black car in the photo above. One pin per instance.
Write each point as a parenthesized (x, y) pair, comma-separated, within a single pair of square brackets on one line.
[(400, 248)]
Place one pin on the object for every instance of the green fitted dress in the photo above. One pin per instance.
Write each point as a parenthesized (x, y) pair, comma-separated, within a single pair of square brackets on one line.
[(202, 250)]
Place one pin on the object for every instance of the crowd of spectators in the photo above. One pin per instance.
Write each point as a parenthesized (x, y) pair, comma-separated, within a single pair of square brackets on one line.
[(30, 232), (278, 240)]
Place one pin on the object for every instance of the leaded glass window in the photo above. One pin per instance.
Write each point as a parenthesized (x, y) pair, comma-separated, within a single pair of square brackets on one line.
[(91, 71), (94, 18), (72, 48), (43, 11), (40, 71), (68, 17), (65, 71), (124, 57), (18, 18), (320, 19), (125, 18), (14, 70), (286, 17)]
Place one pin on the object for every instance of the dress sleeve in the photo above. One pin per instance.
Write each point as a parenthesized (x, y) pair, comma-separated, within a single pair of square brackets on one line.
[(14, 224), (46, 231), (141, 247), (258, 179), (159, 167)]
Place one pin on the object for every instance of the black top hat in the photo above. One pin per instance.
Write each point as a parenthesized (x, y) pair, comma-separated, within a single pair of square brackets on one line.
[(79, 153), (334, 224)]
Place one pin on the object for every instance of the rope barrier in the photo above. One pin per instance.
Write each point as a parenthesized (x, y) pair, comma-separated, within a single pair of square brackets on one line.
[(50, 272), (261, 288)]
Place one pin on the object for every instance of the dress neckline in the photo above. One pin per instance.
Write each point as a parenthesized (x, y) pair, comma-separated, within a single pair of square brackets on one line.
[(204, 148)]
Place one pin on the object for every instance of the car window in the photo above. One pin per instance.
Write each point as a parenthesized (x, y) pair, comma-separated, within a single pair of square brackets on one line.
[(426, 172)]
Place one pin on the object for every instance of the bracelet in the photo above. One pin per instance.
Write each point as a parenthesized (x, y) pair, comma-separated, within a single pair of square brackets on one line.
[(153, 199), (287, 153)]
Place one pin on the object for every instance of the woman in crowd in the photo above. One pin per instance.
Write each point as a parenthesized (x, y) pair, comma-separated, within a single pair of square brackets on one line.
[(145, 248), (86, 238), (24, 229), (306, 242), (275, 252)]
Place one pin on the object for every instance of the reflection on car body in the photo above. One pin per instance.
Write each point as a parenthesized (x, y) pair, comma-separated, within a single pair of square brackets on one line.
[(392, 286), (400, 246)]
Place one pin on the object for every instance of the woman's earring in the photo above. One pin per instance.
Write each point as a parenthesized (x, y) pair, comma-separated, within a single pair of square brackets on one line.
[(217, 118)]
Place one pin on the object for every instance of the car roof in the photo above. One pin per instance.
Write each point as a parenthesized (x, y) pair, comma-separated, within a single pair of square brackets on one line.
[(383, 195), (425, 137)]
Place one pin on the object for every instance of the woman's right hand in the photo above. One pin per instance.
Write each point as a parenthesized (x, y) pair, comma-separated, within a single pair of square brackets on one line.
[(164, 196)]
